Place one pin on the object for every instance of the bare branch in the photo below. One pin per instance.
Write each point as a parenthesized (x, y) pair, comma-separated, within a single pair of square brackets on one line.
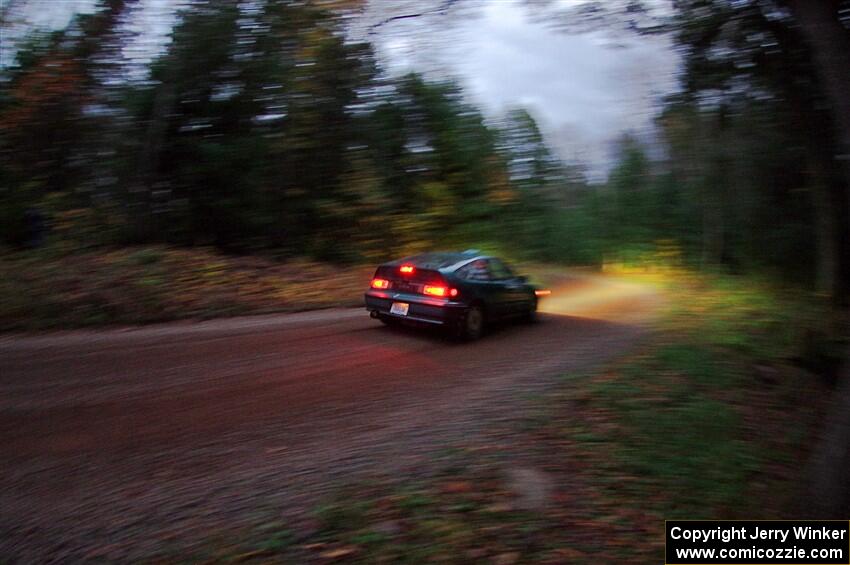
[(442, 9)]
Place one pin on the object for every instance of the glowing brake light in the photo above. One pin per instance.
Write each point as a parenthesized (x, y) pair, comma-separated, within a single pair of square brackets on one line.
[(406, 269), (542, 292), (440, 291), (435, 290), (380, 283)]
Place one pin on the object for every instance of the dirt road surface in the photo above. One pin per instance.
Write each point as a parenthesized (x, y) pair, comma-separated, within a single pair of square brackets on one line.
[(114, 444)]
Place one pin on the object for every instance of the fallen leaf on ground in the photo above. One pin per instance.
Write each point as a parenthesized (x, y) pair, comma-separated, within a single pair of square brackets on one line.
[(338, 552), (506, 558), (457, 486)]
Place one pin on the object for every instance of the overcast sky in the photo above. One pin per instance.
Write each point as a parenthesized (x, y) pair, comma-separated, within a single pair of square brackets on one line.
[(585, 89)]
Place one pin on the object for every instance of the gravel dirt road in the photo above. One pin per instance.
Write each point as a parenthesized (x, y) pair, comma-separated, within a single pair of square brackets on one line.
[(114, 444)]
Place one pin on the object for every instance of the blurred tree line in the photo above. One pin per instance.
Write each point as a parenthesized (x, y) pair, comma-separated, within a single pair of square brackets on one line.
[(261, 128), (755, 137), (755, 169)]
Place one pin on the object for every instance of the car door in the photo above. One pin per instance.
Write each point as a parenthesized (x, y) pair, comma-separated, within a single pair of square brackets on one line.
[(512, 289), (479, 278)]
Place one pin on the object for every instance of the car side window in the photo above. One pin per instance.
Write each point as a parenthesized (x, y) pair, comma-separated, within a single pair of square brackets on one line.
[(475, 271), (499, 271)]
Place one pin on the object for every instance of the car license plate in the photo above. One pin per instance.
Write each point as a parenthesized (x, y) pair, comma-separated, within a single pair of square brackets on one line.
[(399, 308)]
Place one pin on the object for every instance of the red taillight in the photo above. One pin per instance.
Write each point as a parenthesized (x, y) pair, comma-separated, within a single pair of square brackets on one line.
[(406, 269), (440, 291), (380, 283), (435, 290)]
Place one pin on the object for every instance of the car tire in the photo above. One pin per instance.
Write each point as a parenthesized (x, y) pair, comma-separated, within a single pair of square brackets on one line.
[(472, 323)]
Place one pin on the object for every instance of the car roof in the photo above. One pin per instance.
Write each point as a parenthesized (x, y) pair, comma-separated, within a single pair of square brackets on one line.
[(440, 260)]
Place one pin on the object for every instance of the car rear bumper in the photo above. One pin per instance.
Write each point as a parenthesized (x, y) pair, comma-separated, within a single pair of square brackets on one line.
[(438, 311)]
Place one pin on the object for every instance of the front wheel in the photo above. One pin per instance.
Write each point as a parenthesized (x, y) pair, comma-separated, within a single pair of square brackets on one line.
[(472, 324)]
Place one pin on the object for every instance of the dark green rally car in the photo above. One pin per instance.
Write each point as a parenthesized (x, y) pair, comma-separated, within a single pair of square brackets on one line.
[(462, 291)]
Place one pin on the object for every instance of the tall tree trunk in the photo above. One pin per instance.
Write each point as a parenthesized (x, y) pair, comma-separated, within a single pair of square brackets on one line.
[(825, 234), (713, 228), (830, 44), (829, 487), (715, 190)]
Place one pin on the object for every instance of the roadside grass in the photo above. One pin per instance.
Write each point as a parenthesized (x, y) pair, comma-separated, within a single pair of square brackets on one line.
[(46, 289), (712, 418)]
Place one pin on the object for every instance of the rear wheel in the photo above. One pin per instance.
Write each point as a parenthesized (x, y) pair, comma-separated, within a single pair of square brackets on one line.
[(472, 324)]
